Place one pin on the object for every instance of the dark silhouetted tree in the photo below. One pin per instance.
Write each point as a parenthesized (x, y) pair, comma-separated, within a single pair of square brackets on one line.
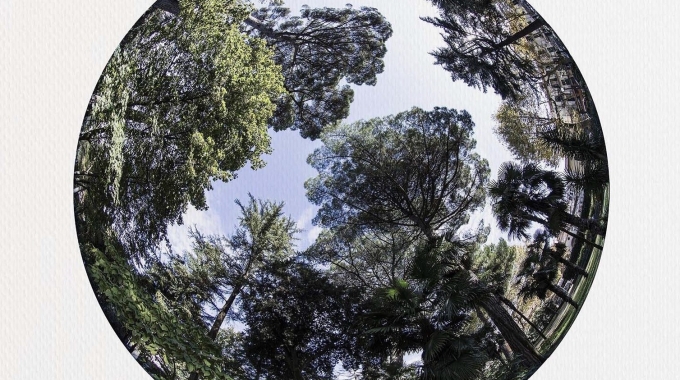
[(526, 194), (481, 38)]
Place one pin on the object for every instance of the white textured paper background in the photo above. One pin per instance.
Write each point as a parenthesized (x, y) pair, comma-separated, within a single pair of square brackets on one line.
[(51, 55)]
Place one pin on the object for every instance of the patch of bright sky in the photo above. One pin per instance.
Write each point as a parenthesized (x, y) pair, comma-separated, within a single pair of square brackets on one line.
[(410, 79)]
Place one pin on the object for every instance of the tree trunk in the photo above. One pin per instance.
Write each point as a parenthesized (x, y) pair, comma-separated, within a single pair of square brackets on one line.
[(507, 352), (516, 310), (219, 319), (259, 26), (293, 363), (565, 230), (581, 238), (562, 294), (513, 335), (579, 269), (586, 224), (533, 26)]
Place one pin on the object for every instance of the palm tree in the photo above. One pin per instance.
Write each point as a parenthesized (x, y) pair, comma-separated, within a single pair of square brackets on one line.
[(590, 177), (433, 315), (557, 251), (526, 194), (591, 174), (586, 146), (537, 275), (581, 144)]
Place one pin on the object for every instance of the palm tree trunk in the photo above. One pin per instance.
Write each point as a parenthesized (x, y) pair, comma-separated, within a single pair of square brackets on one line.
[(562, 294), (579, 269), (513, 335), (581, 238), (516, 310), (565, 230), (585, 224)]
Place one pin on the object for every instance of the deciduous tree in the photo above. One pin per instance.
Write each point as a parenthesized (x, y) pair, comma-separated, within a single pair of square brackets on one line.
[(317, 51), (185, 102)]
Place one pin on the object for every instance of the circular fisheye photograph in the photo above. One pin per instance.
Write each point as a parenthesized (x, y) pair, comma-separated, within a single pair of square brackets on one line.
[(307, 190)]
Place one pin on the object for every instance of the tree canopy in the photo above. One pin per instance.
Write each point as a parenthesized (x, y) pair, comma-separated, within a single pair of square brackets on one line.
[(398, 269), (318, 51), (185, 102), (415, 175), (521, 129), (187, 99), (525, 194), (480, 38), (414, 169)]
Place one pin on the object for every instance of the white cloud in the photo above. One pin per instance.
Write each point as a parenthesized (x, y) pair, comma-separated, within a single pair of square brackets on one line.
[(207, 222), (313, 233), (305, 219), (308, 233), (413, 358)]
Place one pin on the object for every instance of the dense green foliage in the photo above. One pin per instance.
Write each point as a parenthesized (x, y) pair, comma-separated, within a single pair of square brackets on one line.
[(300, 325), (539, 270), (412, 180), (317, 51), (155, 328), (398, 269), (183, 103), (414, 169), (520, 127)]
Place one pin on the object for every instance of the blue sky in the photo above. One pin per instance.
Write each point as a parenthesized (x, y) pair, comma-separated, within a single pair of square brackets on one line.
[(410, 79)]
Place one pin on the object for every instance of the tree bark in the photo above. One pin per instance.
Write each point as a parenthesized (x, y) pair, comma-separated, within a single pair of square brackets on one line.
[(533, 26), (582, 238), (293, 363), (222, 315), (516, 310), (513, 335), (507, 352), (586, 224), (579, 269), (565, 230), (259, 26), (562, 294), (219, 319)]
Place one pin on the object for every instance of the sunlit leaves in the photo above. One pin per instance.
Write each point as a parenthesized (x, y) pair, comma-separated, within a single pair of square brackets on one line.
[(185, 101)]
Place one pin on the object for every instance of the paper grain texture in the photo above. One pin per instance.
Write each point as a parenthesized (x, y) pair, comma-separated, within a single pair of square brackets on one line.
[(53, 53)]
